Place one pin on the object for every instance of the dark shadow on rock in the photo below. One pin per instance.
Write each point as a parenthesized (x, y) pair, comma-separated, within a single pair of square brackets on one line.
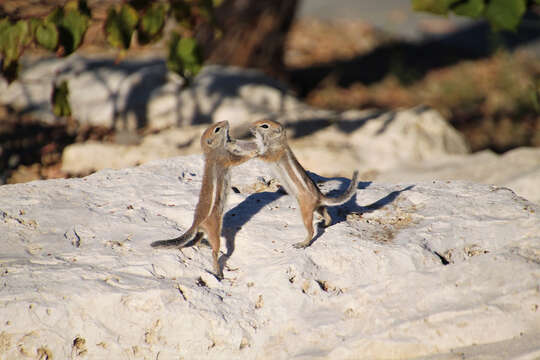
[(238, 216), (139, 96), (223, 83), (352, 207), (309, 126), (152, 75), (409, 62)]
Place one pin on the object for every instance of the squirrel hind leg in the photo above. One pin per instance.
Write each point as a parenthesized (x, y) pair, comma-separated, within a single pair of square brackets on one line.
[(307, 216), (213, 232)]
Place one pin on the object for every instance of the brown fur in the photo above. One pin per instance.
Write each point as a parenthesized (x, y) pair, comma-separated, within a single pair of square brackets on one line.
[(271, 140), (220, 154)]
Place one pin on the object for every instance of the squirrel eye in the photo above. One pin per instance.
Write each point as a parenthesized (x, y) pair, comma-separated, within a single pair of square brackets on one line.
[(216, 130), (264, 126)]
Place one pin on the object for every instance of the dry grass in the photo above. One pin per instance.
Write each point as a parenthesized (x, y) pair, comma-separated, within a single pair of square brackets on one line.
[(494, 101)]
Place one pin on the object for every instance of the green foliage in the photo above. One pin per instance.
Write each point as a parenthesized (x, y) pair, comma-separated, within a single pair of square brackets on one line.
[(13, 38), (63, 30), (501, 14), (60, 100), (184, 56), (72, 22), (471, 8), (120, 26), (505, 14), (439, 7), (152, 23), (47, 35)]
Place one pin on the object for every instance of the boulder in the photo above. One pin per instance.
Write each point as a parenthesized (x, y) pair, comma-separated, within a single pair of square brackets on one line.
[(437, 269), (378, 141)]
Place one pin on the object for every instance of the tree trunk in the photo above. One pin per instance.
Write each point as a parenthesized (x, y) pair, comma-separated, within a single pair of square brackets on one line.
[(254, 34)]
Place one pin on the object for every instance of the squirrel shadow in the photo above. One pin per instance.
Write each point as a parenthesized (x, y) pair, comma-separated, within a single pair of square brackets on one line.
[(339, 213), (238, 216)]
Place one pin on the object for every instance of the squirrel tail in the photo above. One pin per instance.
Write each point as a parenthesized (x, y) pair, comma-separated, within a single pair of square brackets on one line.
[(343, 198), (178, 242)]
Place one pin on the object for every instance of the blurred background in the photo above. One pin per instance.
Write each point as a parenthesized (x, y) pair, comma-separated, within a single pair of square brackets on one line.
[(374, 56)]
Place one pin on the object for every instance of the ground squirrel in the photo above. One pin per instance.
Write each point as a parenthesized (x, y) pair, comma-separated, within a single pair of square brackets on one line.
[(220, 153), (271, 141)]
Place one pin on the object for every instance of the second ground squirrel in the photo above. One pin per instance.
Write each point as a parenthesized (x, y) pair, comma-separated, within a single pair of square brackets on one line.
[(271, 141)]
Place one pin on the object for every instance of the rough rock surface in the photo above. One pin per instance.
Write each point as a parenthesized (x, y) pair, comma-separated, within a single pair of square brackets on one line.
[(437, 269)]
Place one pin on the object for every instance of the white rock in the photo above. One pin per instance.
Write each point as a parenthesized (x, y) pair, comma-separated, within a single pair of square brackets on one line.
[(83, 158), (409, 136), (78, 277), (517, 169)]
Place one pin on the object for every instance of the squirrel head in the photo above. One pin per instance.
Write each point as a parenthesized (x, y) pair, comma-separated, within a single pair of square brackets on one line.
[(268, 133), (215, 136)]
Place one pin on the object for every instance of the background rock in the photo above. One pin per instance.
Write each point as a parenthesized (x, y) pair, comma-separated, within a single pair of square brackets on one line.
[(407, 270), (142, 93), (399, 145), (378, 141), (517, 169)]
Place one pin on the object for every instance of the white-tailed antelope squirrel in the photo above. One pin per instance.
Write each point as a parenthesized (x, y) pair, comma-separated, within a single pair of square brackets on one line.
[(220, 153), (273, 148)]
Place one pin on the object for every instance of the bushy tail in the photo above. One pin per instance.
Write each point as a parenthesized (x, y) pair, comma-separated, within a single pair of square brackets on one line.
[(343, 198), (176, 242)]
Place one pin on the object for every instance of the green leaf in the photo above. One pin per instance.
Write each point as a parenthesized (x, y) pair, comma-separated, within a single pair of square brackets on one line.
[(4, 24), (13, 39), (71, 22), (184, 56), (439, 7), (152, 22), (470, 8), (55, 16), (33, 24), (72, 27), (119, 26), (60, 100), (47, 35), (505, 14)]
